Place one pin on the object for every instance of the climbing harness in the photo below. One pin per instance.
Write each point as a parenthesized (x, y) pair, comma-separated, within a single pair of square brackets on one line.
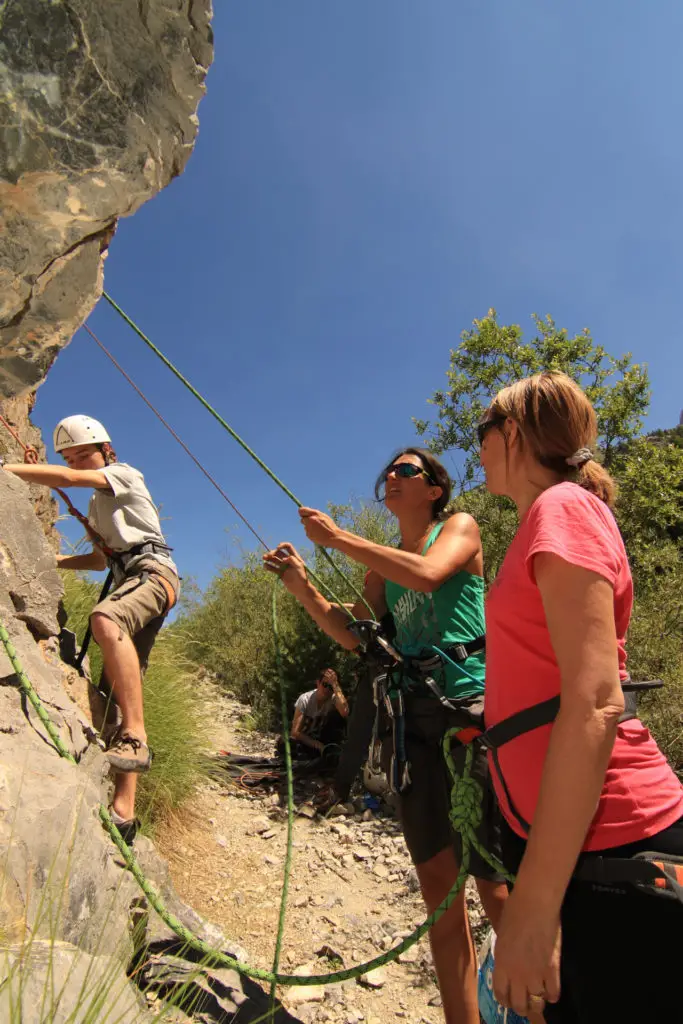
[(652, 872), (538, 715), (399, 674)]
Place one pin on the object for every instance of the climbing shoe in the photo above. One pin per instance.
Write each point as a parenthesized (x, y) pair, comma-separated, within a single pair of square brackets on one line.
[(127, 753), (128, 829)]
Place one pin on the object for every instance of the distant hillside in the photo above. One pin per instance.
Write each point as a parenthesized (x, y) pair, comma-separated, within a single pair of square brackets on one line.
[(673, 435)]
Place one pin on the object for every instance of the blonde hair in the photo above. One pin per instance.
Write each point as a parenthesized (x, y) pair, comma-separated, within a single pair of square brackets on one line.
[(556, 420)]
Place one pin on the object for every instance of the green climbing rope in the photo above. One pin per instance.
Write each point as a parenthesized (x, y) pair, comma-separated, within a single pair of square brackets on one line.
[(25, 684), (465, 791), (233, 433), (290, 803), (466, 806)]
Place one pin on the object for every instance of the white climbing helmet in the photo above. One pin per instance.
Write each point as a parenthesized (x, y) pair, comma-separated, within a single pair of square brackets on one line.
[(78, 430)]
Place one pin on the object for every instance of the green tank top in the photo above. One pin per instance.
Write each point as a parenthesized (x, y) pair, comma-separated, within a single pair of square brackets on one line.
[(452, 614)]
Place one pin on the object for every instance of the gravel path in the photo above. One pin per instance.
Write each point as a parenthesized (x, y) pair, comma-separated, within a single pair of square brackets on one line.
[(353, 892)]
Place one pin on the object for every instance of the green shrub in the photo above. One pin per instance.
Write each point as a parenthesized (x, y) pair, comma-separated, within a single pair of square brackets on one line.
[(174, 707)]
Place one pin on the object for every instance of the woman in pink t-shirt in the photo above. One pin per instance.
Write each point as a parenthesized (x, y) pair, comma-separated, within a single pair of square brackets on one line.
[(588, 784)]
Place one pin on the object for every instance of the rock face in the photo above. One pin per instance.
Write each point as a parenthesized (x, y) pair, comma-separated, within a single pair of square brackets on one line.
[(98, 103), (17, 412)]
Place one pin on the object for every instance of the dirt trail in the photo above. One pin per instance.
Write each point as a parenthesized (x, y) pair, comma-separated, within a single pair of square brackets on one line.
[(353, 891)]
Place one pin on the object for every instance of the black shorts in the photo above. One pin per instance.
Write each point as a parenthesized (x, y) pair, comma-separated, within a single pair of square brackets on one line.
[(620, 945), (425, 807)]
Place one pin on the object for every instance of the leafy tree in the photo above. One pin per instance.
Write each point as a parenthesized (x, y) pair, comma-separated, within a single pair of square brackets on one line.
[(650, 500), (492, 355)]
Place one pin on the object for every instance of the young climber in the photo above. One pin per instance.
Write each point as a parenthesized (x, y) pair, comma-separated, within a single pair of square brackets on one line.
[(576, 937), (318, 713), (124, 520), (433, 584)]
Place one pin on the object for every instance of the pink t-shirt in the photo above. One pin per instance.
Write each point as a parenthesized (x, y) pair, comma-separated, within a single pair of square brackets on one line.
[(641, 795)]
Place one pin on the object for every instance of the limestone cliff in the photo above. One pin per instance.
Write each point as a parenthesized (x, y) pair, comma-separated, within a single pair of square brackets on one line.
[(98, 105)]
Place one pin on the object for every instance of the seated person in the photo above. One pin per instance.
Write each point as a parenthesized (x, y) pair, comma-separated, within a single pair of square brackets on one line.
[(318, 715)]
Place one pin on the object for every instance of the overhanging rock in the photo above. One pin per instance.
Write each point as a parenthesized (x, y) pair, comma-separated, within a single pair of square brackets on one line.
[(98, 104)]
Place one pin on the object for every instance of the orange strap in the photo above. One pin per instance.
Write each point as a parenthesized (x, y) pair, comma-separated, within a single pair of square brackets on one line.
[(170, 592), (661, 883)]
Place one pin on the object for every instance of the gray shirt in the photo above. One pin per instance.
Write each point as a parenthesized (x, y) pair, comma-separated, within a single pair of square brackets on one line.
[(313, 711), (126, 515)]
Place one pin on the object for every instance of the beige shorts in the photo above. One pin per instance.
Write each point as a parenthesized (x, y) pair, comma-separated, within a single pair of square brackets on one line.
[(139, 605)]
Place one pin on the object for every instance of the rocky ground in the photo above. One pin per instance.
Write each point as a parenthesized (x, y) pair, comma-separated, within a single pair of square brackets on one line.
[(353, 890)]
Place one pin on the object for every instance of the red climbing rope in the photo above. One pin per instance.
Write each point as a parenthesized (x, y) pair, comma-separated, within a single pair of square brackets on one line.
[(30, 453)]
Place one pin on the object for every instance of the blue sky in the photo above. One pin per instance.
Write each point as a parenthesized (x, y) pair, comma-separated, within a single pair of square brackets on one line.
[(369, 177)]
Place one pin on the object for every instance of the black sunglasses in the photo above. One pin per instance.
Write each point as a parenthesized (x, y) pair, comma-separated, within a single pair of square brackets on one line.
[(407, 470), (486, 425)]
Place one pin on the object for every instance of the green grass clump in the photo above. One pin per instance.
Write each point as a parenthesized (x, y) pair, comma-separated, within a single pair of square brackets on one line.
[(174, 712)]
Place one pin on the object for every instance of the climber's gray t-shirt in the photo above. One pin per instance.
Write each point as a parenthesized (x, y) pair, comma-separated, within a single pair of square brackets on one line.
[(126, 515), (313, 711)]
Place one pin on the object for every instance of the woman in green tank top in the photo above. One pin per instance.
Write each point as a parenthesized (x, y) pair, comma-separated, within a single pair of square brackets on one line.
[(433, 586)]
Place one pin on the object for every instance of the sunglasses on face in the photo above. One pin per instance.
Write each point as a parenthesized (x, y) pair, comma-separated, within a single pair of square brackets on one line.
[(486, 425), (407, 471)]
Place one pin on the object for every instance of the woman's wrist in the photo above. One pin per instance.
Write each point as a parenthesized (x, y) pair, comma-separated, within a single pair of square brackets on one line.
[(339, 539), (538, 890)]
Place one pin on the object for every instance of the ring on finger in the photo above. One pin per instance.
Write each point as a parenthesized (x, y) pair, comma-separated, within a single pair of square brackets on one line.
[(536, 1000)]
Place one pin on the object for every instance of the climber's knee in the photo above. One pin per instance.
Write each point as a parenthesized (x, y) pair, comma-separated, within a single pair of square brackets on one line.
[(104, 628)]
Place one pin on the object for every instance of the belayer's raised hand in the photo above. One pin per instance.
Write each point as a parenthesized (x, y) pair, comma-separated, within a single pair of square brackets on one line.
[(319, 527), (286, 562)]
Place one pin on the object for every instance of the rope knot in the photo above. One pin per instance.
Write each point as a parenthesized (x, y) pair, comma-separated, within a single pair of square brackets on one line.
[(466, 804), (31, 457)]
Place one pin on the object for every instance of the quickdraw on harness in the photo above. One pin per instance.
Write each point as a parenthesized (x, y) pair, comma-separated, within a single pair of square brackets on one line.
[(398, 674)]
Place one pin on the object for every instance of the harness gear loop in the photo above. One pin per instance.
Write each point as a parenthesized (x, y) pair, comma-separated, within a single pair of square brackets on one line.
[(398, 679)]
